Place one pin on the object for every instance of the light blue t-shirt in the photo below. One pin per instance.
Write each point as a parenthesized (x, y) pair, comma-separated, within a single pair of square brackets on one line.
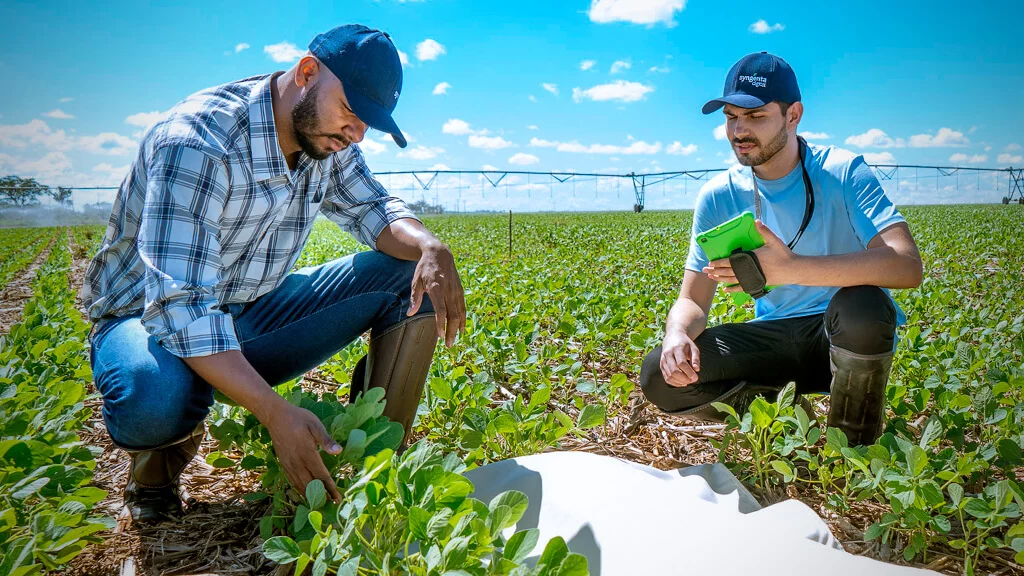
[(850, 208)]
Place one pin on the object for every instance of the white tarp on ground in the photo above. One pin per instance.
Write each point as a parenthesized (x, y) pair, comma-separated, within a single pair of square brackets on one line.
[(631, 520)]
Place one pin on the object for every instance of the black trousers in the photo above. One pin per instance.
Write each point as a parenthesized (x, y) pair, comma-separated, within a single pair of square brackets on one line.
[(861, 319)]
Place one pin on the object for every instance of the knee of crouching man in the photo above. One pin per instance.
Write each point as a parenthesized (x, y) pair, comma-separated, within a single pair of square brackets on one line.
[(652, 383), (861, 319)]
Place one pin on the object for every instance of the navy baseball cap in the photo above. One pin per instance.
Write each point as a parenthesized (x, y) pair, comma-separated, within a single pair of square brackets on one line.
[(756, 80), (370, 70)]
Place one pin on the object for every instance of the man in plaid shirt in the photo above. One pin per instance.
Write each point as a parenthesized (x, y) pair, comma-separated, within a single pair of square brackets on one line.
[(191, 290)]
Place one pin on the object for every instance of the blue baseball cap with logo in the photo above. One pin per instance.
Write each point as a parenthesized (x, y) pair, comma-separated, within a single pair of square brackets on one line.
[(370, 69), (756, 80)]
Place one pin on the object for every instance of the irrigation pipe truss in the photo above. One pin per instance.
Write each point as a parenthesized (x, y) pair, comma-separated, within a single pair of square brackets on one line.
[(640, 182)]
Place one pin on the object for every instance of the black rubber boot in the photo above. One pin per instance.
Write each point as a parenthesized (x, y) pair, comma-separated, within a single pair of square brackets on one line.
[(153, 490), (398, 361), (858, 394)]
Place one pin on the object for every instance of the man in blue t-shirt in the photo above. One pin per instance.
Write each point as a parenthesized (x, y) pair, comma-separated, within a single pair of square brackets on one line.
[(833, 243)]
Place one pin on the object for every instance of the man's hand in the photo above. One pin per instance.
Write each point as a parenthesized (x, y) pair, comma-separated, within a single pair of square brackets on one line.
[(436, 276), (775, 257), (297, 433), (680, 360)]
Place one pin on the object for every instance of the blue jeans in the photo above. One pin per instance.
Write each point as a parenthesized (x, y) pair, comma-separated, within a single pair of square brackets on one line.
[(151, 397)]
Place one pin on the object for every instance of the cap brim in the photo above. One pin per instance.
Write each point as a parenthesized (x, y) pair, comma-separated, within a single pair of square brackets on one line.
[(375, 116), (741, 100)]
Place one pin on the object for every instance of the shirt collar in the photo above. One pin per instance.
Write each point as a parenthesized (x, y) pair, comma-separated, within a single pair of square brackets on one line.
[(267, 159)]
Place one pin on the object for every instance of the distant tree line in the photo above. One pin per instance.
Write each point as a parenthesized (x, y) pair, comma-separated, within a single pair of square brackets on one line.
[(18, 192), (423, 207)]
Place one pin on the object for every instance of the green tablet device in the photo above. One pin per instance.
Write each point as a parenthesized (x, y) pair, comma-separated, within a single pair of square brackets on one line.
[(739, 233)]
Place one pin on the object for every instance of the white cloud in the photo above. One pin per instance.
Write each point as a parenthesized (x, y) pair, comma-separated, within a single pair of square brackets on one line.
[(107, 143), (972, 130), (403, 58), (65, 99), (488, 142), (241, 46), (945, 138), (429, 49), (587, 64), (488, 167), (974, 159), (720, 133), (678, 149), (441, 88), (636, 147), (58, 114), (874, 138), (533, 98), (34, 132), (1010, 160), (649, 12), (439, 166), (988, 148), (145, 119), (620, 90), (39, 133), (113, 173), (1013, 147), (372, 147), (659, 69), (532, 127), (879, 158), (620, 65), (553, 88), (283, 52), (456, 127), (523, 159), (815, 135), (46, 169), (762, 27), (420, 153)]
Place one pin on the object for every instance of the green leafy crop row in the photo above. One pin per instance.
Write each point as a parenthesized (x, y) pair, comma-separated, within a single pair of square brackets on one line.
[(45, 502)]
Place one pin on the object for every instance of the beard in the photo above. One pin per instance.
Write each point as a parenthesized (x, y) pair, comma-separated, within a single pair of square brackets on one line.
[(778, 142), (306, 125)]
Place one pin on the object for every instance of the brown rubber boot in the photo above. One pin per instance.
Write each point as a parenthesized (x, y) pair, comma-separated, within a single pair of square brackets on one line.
[(153, 491), (858, 394), (398, 361)]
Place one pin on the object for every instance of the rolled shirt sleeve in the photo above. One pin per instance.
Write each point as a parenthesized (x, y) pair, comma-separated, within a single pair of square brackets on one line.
[(869, 208), (179, 245), (358, 203)]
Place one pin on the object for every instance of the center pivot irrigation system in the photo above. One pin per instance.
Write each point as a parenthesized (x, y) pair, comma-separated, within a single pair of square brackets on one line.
[(640, 182), (909, 175)]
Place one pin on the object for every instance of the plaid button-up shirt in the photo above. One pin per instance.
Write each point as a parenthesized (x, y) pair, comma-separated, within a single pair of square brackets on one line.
[(210, 215)]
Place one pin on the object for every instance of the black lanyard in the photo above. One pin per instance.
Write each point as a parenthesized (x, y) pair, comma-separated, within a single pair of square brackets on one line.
[(808, 188)]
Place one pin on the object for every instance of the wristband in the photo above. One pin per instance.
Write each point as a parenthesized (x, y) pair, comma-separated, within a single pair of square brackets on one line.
[(748, 271)]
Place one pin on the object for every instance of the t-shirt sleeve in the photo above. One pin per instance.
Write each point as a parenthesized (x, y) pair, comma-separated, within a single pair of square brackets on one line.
[(868, 206), (704, 218)]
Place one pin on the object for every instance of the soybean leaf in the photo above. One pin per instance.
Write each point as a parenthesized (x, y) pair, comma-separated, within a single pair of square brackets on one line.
[(591, 416), (281, 549), (521, 544)]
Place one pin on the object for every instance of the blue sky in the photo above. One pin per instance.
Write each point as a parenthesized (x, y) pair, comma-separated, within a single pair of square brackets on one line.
[(585, 85)]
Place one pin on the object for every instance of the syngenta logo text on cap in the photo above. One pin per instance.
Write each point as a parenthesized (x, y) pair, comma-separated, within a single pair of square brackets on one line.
[(756, 81)]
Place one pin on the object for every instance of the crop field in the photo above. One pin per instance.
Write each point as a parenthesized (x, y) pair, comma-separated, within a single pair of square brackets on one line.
[(561, 311)]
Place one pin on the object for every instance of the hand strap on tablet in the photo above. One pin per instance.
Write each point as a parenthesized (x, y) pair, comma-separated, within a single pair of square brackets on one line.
[(747, 269)]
